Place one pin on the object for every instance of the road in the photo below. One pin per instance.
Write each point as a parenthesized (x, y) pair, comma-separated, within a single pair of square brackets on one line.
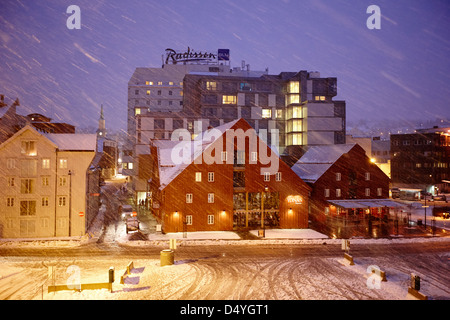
[(239, 271)]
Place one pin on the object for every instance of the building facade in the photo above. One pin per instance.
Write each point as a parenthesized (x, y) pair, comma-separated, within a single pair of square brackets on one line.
[(44, 184), (240, 189), (298, 105), (341, 176), (421, 160)]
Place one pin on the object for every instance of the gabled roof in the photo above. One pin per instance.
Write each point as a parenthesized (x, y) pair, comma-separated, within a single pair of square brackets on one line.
[(170, 169), (318, 159), (20, 132), (73, 141)]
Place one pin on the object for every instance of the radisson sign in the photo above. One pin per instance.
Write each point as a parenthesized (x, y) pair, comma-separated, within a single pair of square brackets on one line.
[(190, 55)]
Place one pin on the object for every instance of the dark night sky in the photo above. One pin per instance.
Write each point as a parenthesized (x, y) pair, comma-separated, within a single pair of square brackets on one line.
[(398, 72)]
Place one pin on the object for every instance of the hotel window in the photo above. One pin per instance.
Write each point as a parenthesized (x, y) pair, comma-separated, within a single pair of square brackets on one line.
[(44, 201), (29, 148), (278, 176), (223, 156), (294, 87), (10, 163), (293, 98), (26, 186), (62, 181), (11, 182), (338, 176), (189, 220), (45, 181), (228, 99), (28, 208), (338, 193), (63, 163), (367, 192), (10, 202), (319, 98), (266, 113), (198, 177), (210, 197), (210, 176), (210, 219), (266, 176), (62, 201), (327, 193), (189, 197), (379, 192), (45, 163), (211, 85), (367, 176)]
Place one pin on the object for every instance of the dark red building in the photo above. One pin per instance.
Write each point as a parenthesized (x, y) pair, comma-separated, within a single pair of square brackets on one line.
[(345, 184), (230, 179)]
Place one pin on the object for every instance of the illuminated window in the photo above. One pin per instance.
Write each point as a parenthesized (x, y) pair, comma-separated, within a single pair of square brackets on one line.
[(29, 148), (294, 87), (293, 98), (160, 83), (148, 92), (189, 197), (338, 193), (338, 176), (210, 219), (319, 98), (189, 220), (211, 85), (223, 156), (210, 197), (198, 177), (63, 163), (130, 165), (254, 156), (45, 163), (170, 83), (137, 111), (279, 114), (149, 83), (327, 193), (11, 182), (229, 99), (267, 113)]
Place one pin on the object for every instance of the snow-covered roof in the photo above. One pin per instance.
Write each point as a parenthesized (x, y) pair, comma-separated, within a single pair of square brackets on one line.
[(73, 141), (318, 159), (169, 166)]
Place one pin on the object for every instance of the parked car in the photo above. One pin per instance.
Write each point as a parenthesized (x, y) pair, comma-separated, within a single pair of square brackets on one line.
[(395, 193), (132, 224)]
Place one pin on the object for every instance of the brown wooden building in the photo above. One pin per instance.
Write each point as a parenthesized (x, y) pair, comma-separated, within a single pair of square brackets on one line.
[(346, 184), (228, 179)]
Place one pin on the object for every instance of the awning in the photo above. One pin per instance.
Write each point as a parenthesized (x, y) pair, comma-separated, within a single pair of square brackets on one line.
[(365, 203)]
